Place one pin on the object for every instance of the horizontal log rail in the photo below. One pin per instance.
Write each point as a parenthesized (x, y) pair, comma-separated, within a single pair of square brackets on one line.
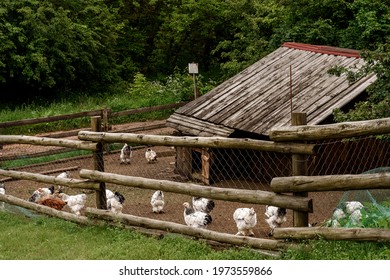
[(43, 141), (52, 118), (45, 210), (229, 194), (331, 183), (331, 131), (353, 234), (70, 182), (147, 109), (199, 142), (127, 219)]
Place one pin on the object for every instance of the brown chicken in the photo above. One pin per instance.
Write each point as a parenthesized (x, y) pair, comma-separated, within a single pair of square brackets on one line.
[(51, 202)]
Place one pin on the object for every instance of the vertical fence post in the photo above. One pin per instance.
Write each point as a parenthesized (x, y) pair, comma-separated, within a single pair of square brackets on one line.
[(98, 162), (299, 168)]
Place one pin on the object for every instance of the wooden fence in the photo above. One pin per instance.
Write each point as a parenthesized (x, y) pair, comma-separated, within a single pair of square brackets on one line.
[(95, 179), (106, 114)]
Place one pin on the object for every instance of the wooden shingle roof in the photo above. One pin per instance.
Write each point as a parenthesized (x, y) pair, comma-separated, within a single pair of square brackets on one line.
[(292, 78)]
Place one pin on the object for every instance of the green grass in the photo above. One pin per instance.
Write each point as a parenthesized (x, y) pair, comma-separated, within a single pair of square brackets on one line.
[(23, 161), (47, 238)]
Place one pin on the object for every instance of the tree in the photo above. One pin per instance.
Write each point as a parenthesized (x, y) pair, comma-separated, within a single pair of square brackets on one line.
[(56, 45)]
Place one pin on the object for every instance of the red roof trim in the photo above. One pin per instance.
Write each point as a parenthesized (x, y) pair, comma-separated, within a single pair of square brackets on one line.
[(323, 49)]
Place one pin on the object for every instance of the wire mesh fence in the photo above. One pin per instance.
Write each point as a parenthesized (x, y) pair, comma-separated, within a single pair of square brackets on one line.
[(243, 169)]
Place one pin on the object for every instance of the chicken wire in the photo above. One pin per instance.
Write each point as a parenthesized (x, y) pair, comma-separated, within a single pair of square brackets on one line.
[(225, 168)]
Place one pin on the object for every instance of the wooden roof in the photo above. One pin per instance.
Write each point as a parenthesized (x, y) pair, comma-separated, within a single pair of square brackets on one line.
[(259, 98)]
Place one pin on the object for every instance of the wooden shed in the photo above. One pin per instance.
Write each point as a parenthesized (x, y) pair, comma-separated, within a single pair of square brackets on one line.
[(294, 77)]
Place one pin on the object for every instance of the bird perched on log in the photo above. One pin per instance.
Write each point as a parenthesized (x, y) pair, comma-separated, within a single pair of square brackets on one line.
[(203, 204), (126, 154), (246, 220), (275, 217), (150, 155), (40, 193), (194, 218), (157, 202)]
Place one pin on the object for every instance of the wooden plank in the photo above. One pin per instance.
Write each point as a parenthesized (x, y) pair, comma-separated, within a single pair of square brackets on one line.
[(331, 183), (229, 194)]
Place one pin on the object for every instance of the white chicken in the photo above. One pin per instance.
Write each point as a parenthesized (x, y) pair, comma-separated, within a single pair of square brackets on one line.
[(126, 154), (75, 202), (157, 202), (65, 174), (2, 191), (276, 216), (194, 218), (352, 206), (203, 204), (347, 213), (246, 220), (150, 155), (115, 203), (40, 193)]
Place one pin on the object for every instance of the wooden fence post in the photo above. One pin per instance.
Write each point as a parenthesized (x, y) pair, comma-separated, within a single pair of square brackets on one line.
[(299, 168), (98, 162)]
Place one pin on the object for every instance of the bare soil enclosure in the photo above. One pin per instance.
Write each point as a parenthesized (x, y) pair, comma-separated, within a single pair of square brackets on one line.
[(138, 200)]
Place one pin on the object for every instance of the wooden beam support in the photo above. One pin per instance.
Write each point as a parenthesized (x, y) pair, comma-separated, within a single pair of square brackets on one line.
[(69, 182), (354, 234), (44, 141), (198, 142), (331, 183), (127, 219), (229, 194), (331, 131)]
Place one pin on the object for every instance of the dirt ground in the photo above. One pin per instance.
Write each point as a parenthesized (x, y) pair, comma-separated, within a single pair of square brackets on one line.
[(138, 200)]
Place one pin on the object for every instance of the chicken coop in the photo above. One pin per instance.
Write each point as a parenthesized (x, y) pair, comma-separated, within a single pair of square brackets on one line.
[(293, 78)]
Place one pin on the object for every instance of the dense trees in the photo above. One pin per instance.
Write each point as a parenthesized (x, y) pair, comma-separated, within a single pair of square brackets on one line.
[(49, 46)]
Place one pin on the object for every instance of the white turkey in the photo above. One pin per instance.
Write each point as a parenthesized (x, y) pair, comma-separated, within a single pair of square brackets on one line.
[(126, 154), (115, 203), (246, 220), (40, 193), (150, 155), (65, 174), (75, 202), (194, 218), (2, 191), (203, 204), (157, 202), (275, 217)]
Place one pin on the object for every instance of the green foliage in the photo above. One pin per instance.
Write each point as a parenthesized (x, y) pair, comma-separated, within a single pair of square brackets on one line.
[(340, 250), (54, 45), (377, 104)]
